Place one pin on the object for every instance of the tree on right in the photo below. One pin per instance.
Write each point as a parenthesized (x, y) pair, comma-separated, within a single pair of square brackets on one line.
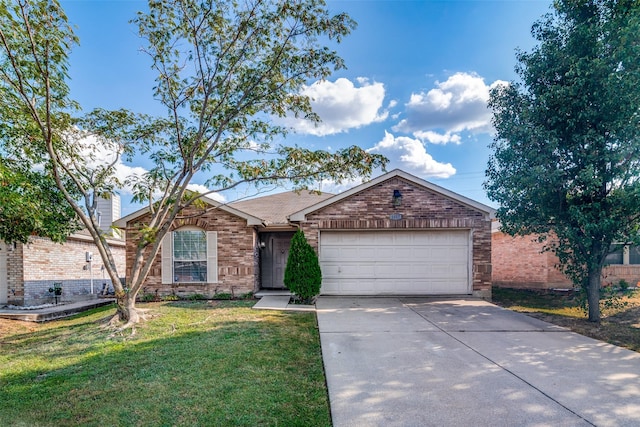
[(566, 154)]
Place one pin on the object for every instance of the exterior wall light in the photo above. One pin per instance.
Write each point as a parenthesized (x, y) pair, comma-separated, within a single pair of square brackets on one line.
[(397, 198)]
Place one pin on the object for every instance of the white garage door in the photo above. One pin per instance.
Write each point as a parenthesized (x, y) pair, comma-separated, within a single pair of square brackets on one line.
[(395, 262)]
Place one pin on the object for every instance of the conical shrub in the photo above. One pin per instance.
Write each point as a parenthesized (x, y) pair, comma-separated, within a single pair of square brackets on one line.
[(302, 275)]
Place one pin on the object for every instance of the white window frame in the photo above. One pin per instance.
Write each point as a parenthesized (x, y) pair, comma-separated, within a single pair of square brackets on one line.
[(167, 261)]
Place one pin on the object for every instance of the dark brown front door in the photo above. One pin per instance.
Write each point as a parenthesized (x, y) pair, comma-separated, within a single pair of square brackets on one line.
[(280, 256), (273, 258)]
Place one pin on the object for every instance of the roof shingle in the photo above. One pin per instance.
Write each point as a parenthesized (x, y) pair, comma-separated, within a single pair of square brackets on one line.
[(276, 208)]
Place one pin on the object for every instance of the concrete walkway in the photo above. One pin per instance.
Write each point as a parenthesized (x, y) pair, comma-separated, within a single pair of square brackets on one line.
[(429, 362), (280, 302)]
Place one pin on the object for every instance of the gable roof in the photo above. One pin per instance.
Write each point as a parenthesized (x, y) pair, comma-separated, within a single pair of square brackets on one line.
[(251, 219), (279, 209), (487, 210), (276, 208)]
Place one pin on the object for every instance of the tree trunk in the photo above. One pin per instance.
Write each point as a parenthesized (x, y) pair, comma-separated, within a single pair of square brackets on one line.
[(593, 295), (127, 311)]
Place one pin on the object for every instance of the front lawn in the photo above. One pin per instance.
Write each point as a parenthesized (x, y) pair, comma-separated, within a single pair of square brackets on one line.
[(193, 363), (620, 324)]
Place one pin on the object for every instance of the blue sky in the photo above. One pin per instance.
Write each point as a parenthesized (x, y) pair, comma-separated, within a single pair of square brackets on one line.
[(415, 87)]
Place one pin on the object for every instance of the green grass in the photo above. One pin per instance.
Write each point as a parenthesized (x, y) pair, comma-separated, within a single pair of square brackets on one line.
[(192, 363), (620, 324), (536, 301)]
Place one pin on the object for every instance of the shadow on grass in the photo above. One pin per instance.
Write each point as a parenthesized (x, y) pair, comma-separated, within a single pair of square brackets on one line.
[(53, 332), (208, 304), (240, 370), (619, 325)]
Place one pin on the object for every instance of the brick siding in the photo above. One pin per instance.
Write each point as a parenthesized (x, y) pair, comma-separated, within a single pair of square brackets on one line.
[(236, 255), (421, 209), (613, 274), (15, 279), (519, 262), (33, 268)]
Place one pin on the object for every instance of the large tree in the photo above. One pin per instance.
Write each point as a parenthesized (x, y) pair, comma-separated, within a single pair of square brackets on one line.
[(224, 69), (566, 158), (31, 204)]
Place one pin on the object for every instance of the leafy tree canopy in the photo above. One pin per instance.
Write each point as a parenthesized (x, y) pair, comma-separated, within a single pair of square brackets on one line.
[(30, 204), (566, 161), (224, 70)]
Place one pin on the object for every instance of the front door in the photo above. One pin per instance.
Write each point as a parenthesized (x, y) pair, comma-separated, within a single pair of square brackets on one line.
[(280, 256), (274, 253), (4, 290)]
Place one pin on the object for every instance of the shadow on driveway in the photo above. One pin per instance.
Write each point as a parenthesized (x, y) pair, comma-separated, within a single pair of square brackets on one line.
[(464, 362)]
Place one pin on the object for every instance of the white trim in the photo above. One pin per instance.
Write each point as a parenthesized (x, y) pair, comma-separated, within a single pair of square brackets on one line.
[(212, 257), (166, 252)]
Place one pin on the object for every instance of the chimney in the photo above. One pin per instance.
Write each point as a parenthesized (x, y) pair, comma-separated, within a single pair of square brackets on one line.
[(108, 211)]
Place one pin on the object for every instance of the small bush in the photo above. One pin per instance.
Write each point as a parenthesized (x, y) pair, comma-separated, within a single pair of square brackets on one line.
[(302, 275), (195, 297), (623, 284), (248, 295), (223, 296), (147, 297)]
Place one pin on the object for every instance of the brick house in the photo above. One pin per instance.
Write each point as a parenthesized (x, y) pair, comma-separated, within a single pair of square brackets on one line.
[(394, 235), (519, 262), (27, 271)]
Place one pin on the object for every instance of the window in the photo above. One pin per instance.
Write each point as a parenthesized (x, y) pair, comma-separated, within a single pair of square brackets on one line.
[(615, 255), (189, 255), (623, 254), (634, 254)]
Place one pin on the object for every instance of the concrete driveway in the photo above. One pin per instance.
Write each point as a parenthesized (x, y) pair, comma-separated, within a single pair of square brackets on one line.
[(466, 362)]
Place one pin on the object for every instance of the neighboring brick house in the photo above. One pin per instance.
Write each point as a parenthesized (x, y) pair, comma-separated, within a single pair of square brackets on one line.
[(520, 262), (394, 235), (27, 271)]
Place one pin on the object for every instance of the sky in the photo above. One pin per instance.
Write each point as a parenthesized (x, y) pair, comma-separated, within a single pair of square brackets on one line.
[(415, 88)]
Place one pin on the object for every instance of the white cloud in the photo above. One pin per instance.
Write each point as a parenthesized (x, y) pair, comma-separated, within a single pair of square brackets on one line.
[(330, 186), (438, 138), (98, 153), (95, 154), (342, 106), (455, 105), (412, 155), (201, 189), (124, 172)]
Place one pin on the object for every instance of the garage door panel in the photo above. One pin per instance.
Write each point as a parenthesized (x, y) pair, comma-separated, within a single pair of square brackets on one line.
[(459, 272), (395, 262), (380, 287), (395, 253), (448, 255)]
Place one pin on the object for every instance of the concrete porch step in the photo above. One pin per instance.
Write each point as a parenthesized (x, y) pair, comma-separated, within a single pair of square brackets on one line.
[(272, 292), (280, 302)]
